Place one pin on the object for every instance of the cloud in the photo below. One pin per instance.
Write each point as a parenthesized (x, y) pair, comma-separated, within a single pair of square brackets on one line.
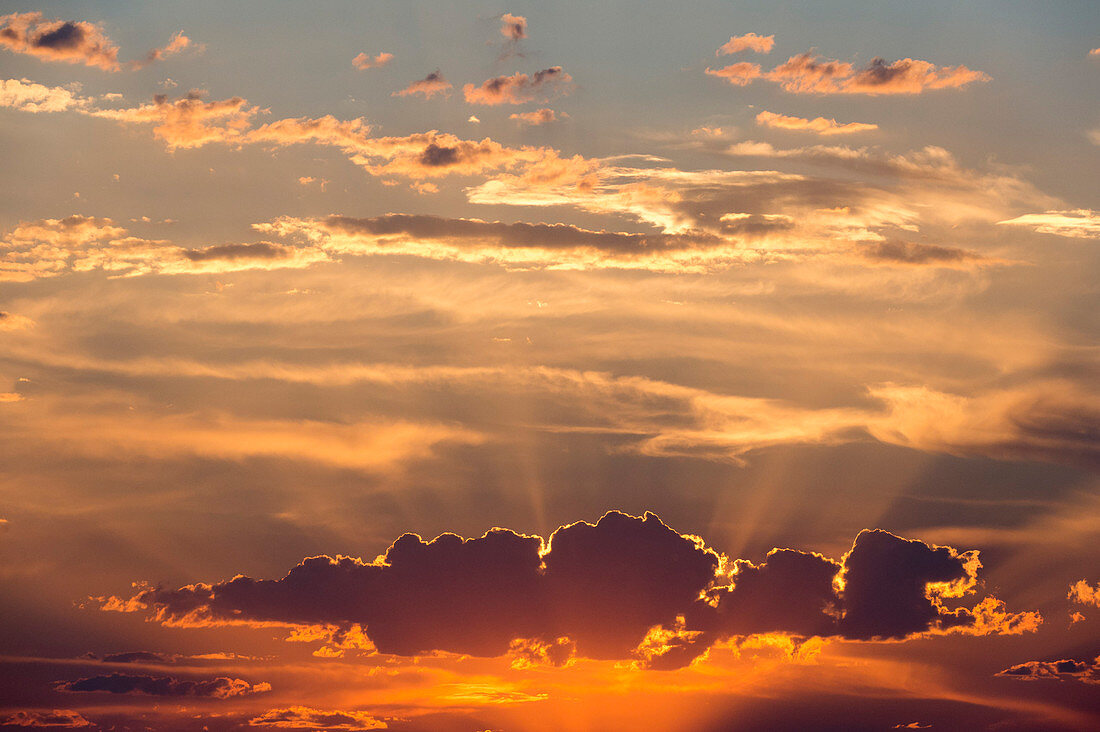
[(51, 247), (11, 321), (364, 62), (429, 86), (897, 252), (1094, 52), (317, 719), (27, 96), (189, 122), (747, 42), (179, 43), (136, 657), (1080, 223), (538, 117), (74, 42), (518, 88), (513, 27), (820, 125), (624, 587), (58, 718), (222, 687), (1065, 669), (1083, 593), (738, 74), (810, 74)]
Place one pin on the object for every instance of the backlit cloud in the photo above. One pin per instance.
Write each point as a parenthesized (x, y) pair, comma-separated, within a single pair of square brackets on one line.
[(604, 586), (1083, 593), (317, 719)]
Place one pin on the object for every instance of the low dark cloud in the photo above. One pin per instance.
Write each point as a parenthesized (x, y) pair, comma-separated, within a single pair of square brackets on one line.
[(317, 719), (1066, 669), (136, 657), (57, 718), (896, 251), (221, 687), (517, 235), (615, 589), (259, 250)]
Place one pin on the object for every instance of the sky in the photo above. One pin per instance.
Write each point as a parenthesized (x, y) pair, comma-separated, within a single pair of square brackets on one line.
[(550, 366)]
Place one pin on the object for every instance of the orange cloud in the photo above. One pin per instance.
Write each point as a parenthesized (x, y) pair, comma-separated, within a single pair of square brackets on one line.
[(1066, 669), (221, 687), (808, 74), (428, 87), (820, 125), (738, 74), (317, 719), (68, 41), (364, 62), (57, 719), (74, 42), (747, 42), (538, 117), (189, 122), (517, 88), (513, 27), (1080, 223), (1084, 594)]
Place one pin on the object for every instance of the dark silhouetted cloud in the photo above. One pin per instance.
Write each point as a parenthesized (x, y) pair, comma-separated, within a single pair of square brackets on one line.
[(222, 687), (623, 587)]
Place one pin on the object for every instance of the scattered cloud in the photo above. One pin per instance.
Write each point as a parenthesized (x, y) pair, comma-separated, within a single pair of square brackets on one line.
[(363, 61), (57, 718), (513, 27), (820, 125), (739, 74), (518, 88), (1083, 593), (27, 96), (1087, 672), (538, 117), (317, 719), (428, 87), (747, 42), (75, 42), (222, 687), (810, 74)]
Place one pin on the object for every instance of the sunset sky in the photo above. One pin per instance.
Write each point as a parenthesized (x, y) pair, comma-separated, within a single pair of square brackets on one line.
[(550, 366)]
